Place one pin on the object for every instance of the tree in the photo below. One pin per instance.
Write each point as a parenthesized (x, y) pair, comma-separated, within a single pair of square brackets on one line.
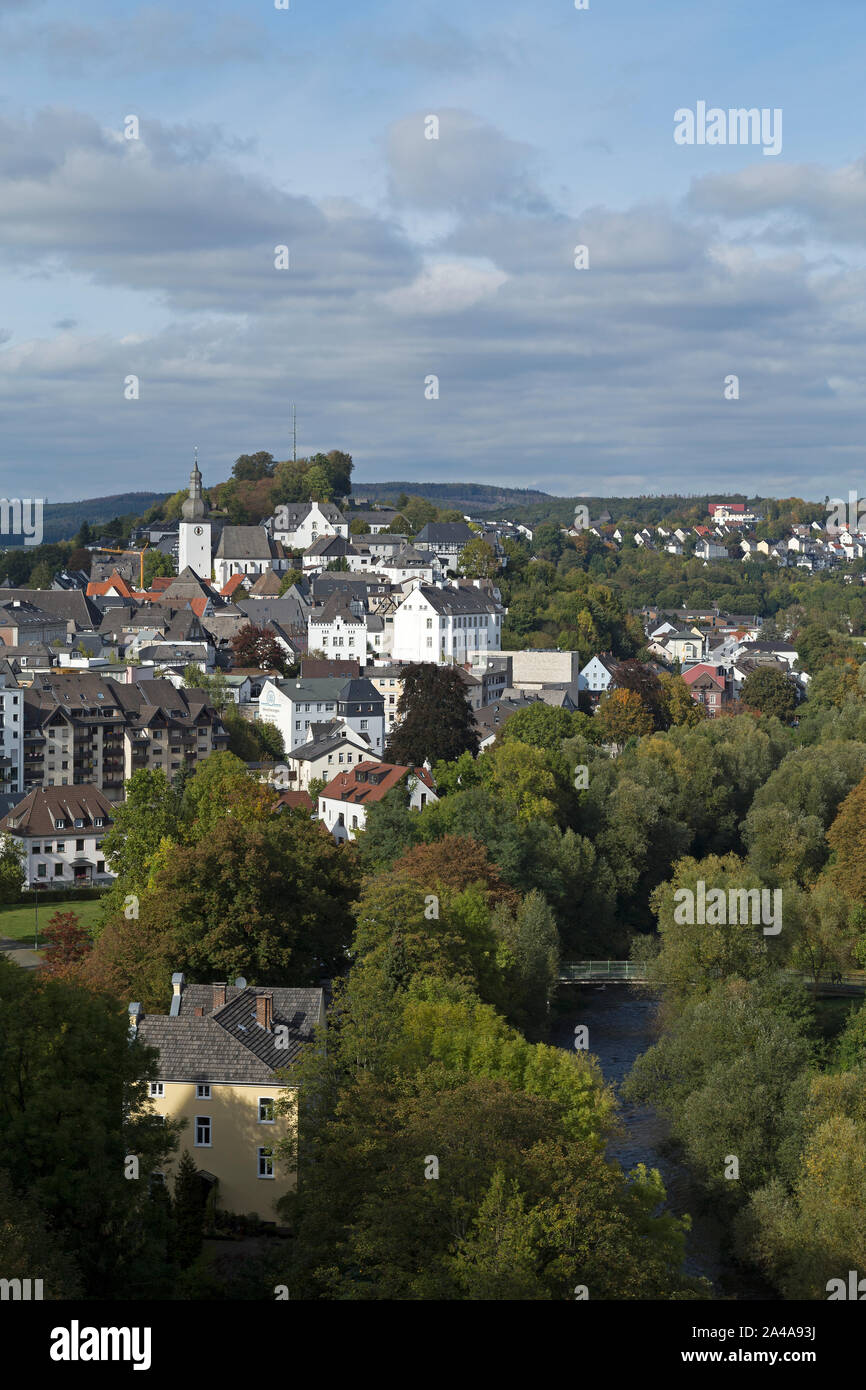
[(435, 717), (155, 564), (677, 702), (69, 943), (42, 576), (188, 1210), (266, 899), (541, 726), (770, 692), (623, 715), (478, 560), (318, 485), (93, 1086), (12, 858), (359, 527), (522, 779), (253, 467), (643, 681), (847, 839), (258, 647), (150, 814)]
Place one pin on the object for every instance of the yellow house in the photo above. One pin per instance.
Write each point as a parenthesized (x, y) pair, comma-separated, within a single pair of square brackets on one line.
[(219, 1050)]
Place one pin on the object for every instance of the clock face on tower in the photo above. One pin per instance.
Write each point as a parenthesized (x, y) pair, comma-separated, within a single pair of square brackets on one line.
[(197, 530)]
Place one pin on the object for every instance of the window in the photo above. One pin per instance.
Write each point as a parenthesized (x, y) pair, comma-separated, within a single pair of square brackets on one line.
[(59, 824), (202, 1132), (429, 622), (100, 821), (155, 1089), (79, 845), (58, 870), (36, 849), (41, 870), (100, 866), (266, 1110), (79, 823), (202, 1092), (266, 1163), (363, 724)]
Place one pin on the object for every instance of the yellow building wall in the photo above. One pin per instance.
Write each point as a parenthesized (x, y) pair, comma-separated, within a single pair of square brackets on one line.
[(236, 1136)]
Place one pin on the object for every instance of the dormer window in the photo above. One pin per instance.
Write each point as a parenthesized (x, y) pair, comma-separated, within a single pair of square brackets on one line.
[(99, 822), (79, 823), (59, 824)]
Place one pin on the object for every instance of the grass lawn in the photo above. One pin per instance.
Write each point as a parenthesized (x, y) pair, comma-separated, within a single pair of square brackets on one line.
[(17, 922)]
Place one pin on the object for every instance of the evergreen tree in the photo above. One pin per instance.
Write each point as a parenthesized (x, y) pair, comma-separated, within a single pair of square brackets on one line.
[(188, 1210), (435, 717)]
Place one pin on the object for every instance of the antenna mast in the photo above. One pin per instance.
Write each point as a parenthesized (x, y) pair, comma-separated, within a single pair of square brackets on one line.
[(294, 436)]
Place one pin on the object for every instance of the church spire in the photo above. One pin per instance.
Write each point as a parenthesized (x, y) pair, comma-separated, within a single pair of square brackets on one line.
[(195, 506)]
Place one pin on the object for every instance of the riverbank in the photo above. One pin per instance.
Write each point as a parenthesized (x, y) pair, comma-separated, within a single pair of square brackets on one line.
[(622, 1023)]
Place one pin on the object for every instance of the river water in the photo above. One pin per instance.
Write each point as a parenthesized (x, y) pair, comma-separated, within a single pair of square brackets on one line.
[(621, 1023)]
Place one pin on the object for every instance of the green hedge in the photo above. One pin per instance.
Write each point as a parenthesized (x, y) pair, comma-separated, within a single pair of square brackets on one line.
[(56, 895)]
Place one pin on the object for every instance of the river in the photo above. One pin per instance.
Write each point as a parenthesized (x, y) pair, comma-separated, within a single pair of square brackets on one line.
[(621, 1024)]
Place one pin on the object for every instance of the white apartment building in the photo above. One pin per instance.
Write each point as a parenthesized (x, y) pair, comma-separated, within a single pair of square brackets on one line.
[(294, 705), (336, 631), (61, 830), (299, 524), (11, 736), (446, 625)]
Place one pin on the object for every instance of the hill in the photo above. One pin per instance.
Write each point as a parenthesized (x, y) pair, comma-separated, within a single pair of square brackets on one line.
[(62, 520)]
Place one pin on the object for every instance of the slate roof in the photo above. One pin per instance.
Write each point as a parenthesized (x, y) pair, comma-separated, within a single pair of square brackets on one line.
[(67, 605), (444, 533), (247, 543), (294, 514), (40, 808), (337, 606), (228, 1045), (452, 600)]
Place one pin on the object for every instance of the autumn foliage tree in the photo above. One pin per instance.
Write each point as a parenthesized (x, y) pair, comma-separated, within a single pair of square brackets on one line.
[(623, 715), (69, 941), (258, 647)]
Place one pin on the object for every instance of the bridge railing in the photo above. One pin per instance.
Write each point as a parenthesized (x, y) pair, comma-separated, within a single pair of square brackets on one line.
[(602, 970)]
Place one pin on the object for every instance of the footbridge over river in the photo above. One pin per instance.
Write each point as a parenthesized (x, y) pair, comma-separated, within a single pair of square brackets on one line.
[(629, 972)]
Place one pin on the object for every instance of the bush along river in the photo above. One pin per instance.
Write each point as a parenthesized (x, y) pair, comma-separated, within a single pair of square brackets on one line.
[(622, 1025)]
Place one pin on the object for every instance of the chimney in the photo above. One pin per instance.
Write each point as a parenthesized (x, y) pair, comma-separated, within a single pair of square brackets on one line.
[(219, 994), (136, 1014), (177, 983), (198, 1011), (265, 1011)]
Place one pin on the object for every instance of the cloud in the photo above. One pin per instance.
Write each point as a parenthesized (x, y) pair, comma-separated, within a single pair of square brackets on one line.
[(570, 379), (169, 214), (153, 37), (828, 202), (471, 165)]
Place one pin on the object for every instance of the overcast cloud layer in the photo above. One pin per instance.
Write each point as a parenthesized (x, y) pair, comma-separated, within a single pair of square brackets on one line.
[(411, 257)]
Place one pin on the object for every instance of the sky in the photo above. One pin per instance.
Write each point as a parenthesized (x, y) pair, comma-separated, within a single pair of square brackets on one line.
[(431, 320)]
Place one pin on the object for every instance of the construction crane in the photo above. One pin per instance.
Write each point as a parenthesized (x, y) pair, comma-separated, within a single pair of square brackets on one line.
[(107, 550)]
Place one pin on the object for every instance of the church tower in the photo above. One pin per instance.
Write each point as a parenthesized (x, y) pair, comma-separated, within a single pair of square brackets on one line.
[(194, 531)]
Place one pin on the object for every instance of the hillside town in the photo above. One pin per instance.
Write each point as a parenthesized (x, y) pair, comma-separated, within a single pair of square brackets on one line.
[(246, 763)]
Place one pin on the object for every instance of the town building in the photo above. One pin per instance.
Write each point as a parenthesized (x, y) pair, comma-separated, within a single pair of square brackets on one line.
[(343, 802), (220, 1049), (60, 832), (446, 625)]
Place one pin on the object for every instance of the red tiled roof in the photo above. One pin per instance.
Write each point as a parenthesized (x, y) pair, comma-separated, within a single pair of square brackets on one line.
[(97, 588), (346, 786), (294, 799), (230, 585), (704, 669)]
